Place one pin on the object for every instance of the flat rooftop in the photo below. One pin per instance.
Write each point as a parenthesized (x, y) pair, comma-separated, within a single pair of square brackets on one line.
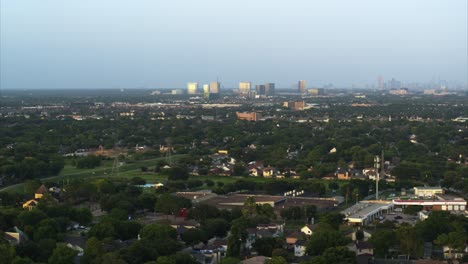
[(276, 201), (362, 210), (303, 201), (428, 188), (229, 201)]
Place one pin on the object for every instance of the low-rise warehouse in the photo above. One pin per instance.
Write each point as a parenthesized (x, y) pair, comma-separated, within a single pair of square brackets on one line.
[(365, 212)]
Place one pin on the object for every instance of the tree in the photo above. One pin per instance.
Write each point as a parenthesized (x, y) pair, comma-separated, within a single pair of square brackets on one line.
[(138, 180), (62, 255), (88, 162), (170, 204), (325, 237), (158, 231), (127, 229), (201, 212), (265, 245), (382, 241), (216, 227), (103, 229), (8, 253), (92, 251), (19, 260), (46, 229), (177, 174), (281, 252), (193, 236), (31, 218), (409, 241), (335, 255), (332, 219), (230, 260), (111, 258), (453, 240), (412, 209), (237, 237), (359, 235)]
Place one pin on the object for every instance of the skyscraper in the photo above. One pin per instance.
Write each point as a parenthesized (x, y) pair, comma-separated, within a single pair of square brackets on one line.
[(381, 83), (206, 91), (269, 88), (301, 86), (260, 89), (214, 87), (192, 88), (244, 87)]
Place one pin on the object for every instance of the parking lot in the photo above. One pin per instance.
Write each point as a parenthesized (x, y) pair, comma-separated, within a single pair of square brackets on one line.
[(401, 218)]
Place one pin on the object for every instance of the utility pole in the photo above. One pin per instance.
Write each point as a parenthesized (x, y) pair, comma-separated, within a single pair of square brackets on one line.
[(377, 166)]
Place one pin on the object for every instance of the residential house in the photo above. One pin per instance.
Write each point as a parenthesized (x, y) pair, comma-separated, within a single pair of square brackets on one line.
[(268, 172), (300, 248), (308, 229), (77, 248), (454, 253), (31, 204), (367, 235), (15, 236), (40, 192), (370, 173), (262, 231), (361, 248), (254, 171), (342, 174), (293, 237), (357, 174)]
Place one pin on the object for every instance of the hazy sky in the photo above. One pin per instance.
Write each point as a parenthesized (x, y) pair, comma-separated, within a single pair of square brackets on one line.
[(161, 44)]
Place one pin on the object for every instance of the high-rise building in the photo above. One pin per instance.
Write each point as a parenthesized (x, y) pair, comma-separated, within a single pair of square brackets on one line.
[(192, 88), (244, 87), (206, 90), (260, 89), (214, 87), (381, 83), (316, 91), (301, 86), (269, 88)]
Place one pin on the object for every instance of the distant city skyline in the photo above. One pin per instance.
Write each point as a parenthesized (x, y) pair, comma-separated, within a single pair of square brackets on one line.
[(166, 44)]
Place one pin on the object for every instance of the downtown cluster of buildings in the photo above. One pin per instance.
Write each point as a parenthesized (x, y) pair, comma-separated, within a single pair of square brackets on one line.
[(245, 89)]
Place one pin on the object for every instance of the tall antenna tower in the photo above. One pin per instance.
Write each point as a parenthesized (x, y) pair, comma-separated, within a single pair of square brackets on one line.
[(378, 164)]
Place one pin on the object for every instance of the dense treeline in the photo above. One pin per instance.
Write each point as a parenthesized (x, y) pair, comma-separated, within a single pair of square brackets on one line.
[(32, 147)]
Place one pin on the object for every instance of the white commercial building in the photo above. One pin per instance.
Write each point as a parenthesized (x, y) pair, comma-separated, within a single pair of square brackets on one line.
[(427, 191), (365, 212)]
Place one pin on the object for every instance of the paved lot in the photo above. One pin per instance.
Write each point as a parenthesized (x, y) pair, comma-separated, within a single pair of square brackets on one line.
[(410, 219)]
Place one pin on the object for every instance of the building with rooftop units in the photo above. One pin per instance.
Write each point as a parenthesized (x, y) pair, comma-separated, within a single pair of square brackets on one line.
[(365, 212), (427, 191)]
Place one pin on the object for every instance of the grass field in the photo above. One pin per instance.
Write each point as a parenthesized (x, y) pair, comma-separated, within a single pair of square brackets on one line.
[(126, 170), (132, 169)]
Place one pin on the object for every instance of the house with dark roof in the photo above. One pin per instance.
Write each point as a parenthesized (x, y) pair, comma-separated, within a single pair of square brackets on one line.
[(40, 192), (293, 237)]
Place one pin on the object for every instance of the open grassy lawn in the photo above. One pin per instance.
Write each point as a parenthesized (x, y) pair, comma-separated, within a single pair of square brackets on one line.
[(70, 172)]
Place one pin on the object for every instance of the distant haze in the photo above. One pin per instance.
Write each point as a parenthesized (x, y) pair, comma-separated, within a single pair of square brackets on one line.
[(161, 44)]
